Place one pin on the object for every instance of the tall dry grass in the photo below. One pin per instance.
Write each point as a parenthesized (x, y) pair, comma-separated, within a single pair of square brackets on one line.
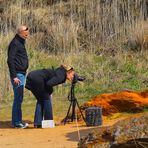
[(75, 25)]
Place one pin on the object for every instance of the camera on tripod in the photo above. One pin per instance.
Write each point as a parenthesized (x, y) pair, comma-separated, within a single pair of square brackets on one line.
[(77, 78), (73, 100), (93, 114)]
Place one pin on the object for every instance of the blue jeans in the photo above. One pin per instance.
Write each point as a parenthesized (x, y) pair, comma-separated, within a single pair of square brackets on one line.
[(18, 99), (43, 111)]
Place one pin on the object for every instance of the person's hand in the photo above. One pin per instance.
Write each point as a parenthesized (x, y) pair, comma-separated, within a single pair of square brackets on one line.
[(16, 81)]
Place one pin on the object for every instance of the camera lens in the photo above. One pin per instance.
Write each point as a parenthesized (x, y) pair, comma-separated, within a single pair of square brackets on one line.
[(78, 78)]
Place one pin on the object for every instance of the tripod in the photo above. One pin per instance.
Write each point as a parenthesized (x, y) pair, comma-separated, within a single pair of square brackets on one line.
[(73, 103)]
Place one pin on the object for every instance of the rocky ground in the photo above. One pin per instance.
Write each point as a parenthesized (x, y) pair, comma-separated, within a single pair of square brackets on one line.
[(126, 133)]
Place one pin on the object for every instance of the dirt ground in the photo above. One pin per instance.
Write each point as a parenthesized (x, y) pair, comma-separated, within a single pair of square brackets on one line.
[(62, 136), (58, 137), (67, 136)]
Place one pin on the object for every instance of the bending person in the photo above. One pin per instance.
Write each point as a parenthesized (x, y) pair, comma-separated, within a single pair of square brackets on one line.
[(41, 83)]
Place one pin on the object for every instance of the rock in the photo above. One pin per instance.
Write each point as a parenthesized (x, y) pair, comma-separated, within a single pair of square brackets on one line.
[(118, 134)]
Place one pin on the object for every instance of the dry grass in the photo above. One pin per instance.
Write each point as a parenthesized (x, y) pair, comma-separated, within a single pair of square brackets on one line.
[(77, 25)]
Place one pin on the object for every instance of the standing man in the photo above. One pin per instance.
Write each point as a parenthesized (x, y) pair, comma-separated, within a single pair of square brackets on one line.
[(18, 64)]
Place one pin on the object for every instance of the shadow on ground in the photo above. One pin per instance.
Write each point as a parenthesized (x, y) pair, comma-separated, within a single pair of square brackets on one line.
[(5, 124), (74, 136)]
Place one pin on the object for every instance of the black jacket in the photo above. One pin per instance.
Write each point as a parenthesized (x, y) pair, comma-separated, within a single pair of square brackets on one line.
[(42, 81), (17, 56)]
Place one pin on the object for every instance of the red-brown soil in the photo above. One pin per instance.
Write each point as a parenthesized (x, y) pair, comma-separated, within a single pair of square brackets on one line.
[(125, 101)]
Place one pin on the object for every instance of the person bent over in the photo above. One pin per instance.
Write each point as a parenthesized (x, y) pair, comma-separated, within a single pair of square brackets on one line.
[(40, 83)]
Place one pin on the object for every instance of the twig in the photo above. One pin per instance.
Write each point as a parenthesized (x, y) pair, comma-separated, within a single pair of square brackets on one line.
[(135, 141), (145, 144)]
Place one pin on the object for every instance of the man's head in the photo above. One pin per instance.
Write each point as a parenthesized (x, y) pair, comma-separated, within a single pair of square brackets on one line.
[(23, 32)]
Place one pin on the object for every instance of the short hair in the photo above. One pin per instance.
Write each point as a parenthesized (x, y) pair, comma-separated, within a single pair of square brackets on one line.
[(22, 28)]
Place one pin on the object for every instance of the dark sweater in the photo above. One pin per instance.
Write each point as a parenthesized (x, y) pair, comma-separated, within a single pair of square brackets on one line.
[(42, 81), (17, 56)]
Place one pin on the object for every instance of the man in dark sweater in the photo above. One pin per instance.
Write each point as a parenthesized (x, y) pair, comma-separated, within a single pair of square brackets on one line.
[(18, 64), (41, 83)]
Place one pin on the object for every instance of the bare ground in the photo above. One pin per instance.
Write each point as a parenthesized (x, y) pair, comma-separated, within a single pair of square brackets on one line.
[(67, 136), (62, 136)]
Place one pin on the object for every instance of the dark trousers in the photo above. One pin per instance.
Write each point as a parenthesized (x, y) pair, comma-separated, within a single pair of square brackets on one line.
[(43, 111)]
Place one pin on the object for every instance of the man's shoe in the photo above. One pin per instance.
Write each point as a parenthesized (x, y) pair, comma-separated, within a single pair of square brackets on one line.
[(21, 125)]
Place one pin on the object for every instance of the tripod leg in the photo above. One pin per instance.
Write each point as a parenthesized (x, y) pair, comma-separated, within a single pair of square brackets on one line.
[(65, 120), (73, 116), (80, 111)]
